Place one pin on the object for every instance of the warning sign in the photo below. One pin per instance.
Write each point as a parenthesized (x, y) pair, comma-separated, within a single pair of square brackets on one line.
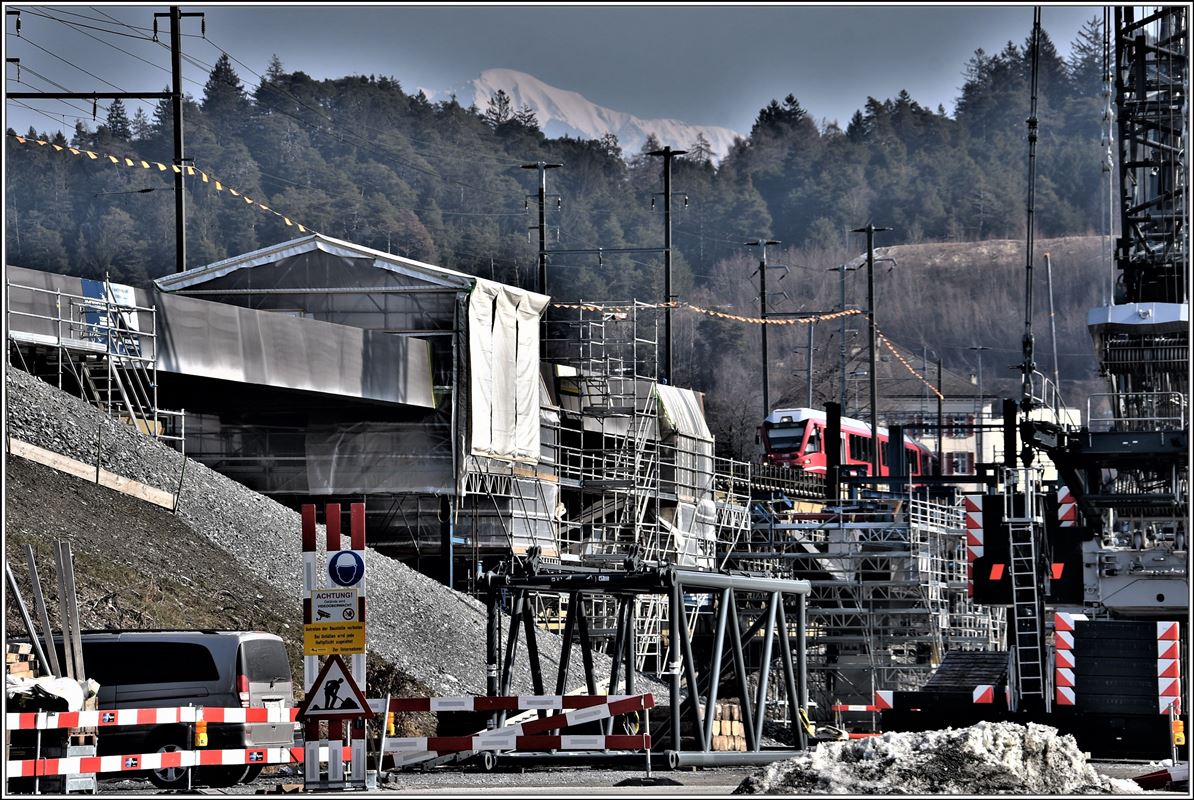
[(336, 625), (334, 695), (326, 640)]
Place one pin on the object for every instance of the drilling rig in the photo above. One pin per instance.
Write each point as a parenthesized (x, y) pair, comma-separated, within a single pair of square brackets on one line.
[(1094, 568)]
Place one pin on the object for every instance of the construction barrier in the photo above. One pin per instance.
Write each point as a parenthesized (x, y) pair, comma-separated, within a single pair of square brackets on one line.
[(53, 720), (532, 702), (90, 765)]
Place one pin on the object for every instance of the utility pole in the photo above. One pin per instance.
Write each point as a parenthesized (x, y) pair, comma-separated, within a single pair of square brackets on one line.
[(763, 244), (978, 348), (542, 166), (809, 365), (1053, 331), (870, 230), (667, 154), (940, 421), (175, 95), (842, 269)]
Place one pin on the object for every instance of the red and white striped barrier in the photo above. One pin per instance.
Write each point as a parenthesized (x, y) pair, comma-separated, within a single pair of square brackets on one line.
[(53, 720), (526, 702), (983, 693), (1179, 773), (90, 765), (854, 707), (884, 699), (1169, 691)]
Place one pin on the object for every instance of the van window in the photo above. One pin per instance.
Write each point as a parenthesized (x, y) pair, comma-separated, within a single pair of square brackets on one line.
[(126, 663), (264, 660)]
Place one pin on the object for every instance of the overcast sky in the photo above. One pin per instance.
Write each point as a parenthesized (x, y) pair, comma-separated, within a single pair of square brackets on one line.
[(713, 65)]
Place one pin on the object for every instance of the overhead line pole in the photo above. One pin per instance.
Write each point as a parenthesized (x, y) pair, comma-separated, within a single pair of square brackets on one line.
[(763, 244), (667, 154), (542, 166), (870, 230), (175, 95)]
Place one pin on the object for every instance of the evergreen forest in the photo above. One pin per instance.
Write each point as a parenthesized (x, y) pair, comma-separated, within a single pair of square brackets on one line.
[(359, 158)]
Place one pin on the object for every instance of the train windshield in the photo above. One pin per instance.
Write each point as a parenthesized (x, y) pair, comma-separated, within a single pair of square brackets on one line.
[(784, 437)]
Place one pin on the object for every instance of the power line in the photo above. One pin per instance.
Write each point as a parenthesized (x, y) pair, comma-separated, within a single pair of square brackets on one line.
[(76, 66), (81, 25)]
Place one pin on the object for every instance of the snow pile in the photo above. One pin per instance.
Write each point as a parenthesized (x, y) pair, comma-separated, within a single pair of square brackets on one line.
[(988, 758)]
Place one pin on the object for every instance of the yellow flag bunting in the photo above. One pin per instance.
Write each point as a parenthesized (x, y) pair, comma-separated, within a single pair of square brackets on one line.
[(190, 171)]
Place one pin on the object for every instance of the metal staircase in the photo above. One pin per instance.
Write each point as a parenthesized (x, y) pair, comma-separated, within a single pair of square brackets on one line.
[(1023, 505)]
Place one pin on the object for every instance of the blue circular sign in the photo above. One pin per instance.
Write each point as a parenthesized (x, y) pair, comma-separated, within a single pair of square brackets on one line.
[(346, 568)]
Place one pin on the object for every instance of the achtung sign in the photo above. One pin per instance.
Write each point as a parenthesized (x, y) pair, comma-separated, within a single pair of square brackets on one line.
[(336, 625)]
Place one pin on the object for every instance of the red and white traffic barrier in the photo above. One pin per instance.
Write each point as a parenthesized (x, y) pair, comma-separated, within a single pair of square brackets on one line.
[(412, 749), (90, 765), (853, 707), (53, 720), (1179, 773), (525, 702), (884, 699)]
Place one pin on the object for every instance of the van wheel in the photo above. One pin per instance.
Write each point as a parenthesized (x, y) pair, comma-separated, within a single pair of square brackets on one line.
[(221, 777), (171, 777)]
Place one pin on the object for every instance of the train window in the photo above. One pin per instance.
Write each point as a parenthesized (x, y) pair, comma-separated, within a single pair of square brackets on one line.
[(814, 440)]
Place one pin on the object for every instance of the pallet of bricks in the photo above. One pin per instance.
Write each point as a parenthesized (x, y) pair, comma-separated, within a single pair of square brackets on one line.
[(728, 733), (20, 662)]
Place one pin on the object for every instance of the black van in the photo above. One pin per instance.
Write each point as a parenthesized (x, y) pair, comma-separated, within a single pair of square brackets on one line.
[(168, 669)]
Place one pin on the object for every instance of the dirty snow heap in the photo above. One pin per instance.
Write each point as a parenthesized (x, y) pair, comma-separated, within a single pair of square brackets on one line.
[(987, 758)]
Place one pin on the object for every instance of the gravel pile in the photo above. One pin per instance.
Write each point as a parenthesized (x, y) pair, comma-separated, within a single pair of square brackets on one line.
[(987, 758), (431, 636)]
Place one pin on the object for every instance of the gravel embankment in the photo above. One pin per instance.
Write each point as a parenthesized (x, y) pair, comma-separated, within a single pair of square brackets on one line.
[(428, 633)]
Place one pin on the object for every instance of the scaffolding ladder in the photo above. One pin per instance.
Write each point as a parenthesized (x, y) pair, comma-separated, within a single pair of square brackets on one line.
[(1026, 649)]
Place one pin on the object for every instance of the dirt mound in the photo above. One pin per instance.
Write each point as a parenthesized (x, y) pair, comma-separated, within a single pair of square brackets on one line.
[(987, 758)]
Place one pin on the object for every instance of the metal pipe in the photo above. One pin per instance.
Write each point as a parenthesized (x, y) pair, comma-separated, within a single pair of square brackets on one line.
[(715, 675), (618, 650), (491, 644), (765, 667), (42, 660), (528, 625), (740, 674), (802, 658), (180, 195), (1052, 326), (730, 759), (690, 678), (566, 647), (674, 616), (586, 648), (785, 652), (321, 290)]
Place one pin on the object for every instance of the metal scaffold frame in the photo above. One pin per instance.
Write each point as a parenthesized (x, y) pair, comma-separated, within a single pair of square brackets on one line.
[(103, 348)]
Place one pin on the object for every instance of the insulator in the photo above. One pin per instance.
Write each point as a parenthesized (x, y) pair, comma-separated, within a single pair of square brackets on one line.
[(94, 109), (652, 203), (526, 205), (155, 28), (559, 203), (686, 201), (203, 26)]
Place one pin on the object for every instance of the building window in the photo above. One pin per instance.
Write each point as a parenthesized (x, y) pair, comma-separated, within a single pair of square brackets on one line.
[(959, 463)]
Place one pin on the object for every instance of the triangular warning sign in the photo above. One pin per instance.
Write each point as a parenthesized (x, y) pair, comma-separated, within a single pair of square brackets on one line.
[(334, 695)]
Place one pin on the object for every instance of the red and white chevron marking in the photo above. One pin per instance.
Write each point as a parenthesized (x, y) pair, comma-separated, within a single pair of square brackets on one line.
[(884, 699), (1169, 688), (52, 720), (90, 765), (983, 693), (503, 703), (973, 504), (1067, 508), (1063, 652)]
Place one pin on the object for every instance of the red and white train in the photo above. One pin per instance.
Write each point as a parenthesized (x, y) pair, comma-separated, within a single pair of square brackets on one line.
[(794, 437)]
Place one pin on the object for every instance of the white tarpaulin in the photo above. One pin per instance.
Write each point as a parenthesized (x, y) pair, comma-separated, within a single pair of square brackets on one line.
[(504, 371)]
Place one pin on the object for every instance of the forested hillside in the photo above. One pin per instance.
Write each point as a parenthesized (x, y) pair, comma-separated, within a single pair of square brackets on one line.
[(361, 159)]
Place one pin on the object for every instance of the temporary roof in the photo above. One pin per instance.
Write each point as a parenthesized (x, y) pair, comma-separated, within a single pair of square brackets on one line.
[(318, 242)]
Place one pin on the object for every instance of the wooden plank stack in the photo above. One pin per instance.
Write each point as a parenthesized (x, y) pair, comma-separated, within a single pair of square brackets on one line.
[(728, 732), (19, 661)]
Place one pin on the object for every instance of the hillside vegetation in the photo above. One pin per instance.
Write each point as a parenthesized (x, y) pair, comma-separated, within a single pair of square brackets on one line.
[(362, 159)]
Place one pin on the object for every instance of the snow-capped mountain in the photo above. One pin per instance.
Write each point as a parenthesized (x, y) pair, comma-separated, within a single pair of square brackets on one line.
[(565, 113)]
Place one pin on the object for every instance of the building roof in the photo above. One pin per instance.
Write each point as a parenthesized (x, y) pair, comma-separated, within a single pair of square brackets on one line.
[(430, 273)]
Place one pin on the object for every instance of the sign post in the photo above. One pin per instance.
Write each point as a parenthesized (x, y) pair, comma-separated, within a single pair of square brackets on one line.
[(334, 626)]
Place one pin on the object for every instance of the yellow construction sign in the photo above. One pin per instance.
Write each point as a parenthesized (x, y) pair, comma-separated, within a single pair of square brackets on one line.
[(336, 625)]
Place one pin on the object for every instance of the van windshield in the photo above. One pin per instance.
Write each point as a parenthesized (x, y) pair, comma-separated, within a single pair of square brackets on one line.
[(264, 660)]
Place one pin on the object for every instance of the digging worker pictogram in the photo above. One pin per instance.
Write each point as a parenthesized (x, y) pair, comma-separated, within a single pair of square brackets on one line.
[(331, 692)]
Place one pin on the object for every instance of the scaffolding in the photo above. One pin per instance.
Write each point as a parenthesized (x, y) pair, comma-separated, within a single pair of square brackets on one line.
[(102, 347), (889, 593)]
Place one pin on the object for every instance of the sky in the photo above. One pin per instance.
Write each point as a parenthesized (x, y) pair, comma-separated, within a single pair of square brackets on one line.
[(704, 64)]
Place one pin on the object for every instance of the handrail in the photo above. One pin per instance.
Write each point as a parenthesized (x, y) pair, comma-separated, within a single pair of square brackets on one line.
[(1152, 408)]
